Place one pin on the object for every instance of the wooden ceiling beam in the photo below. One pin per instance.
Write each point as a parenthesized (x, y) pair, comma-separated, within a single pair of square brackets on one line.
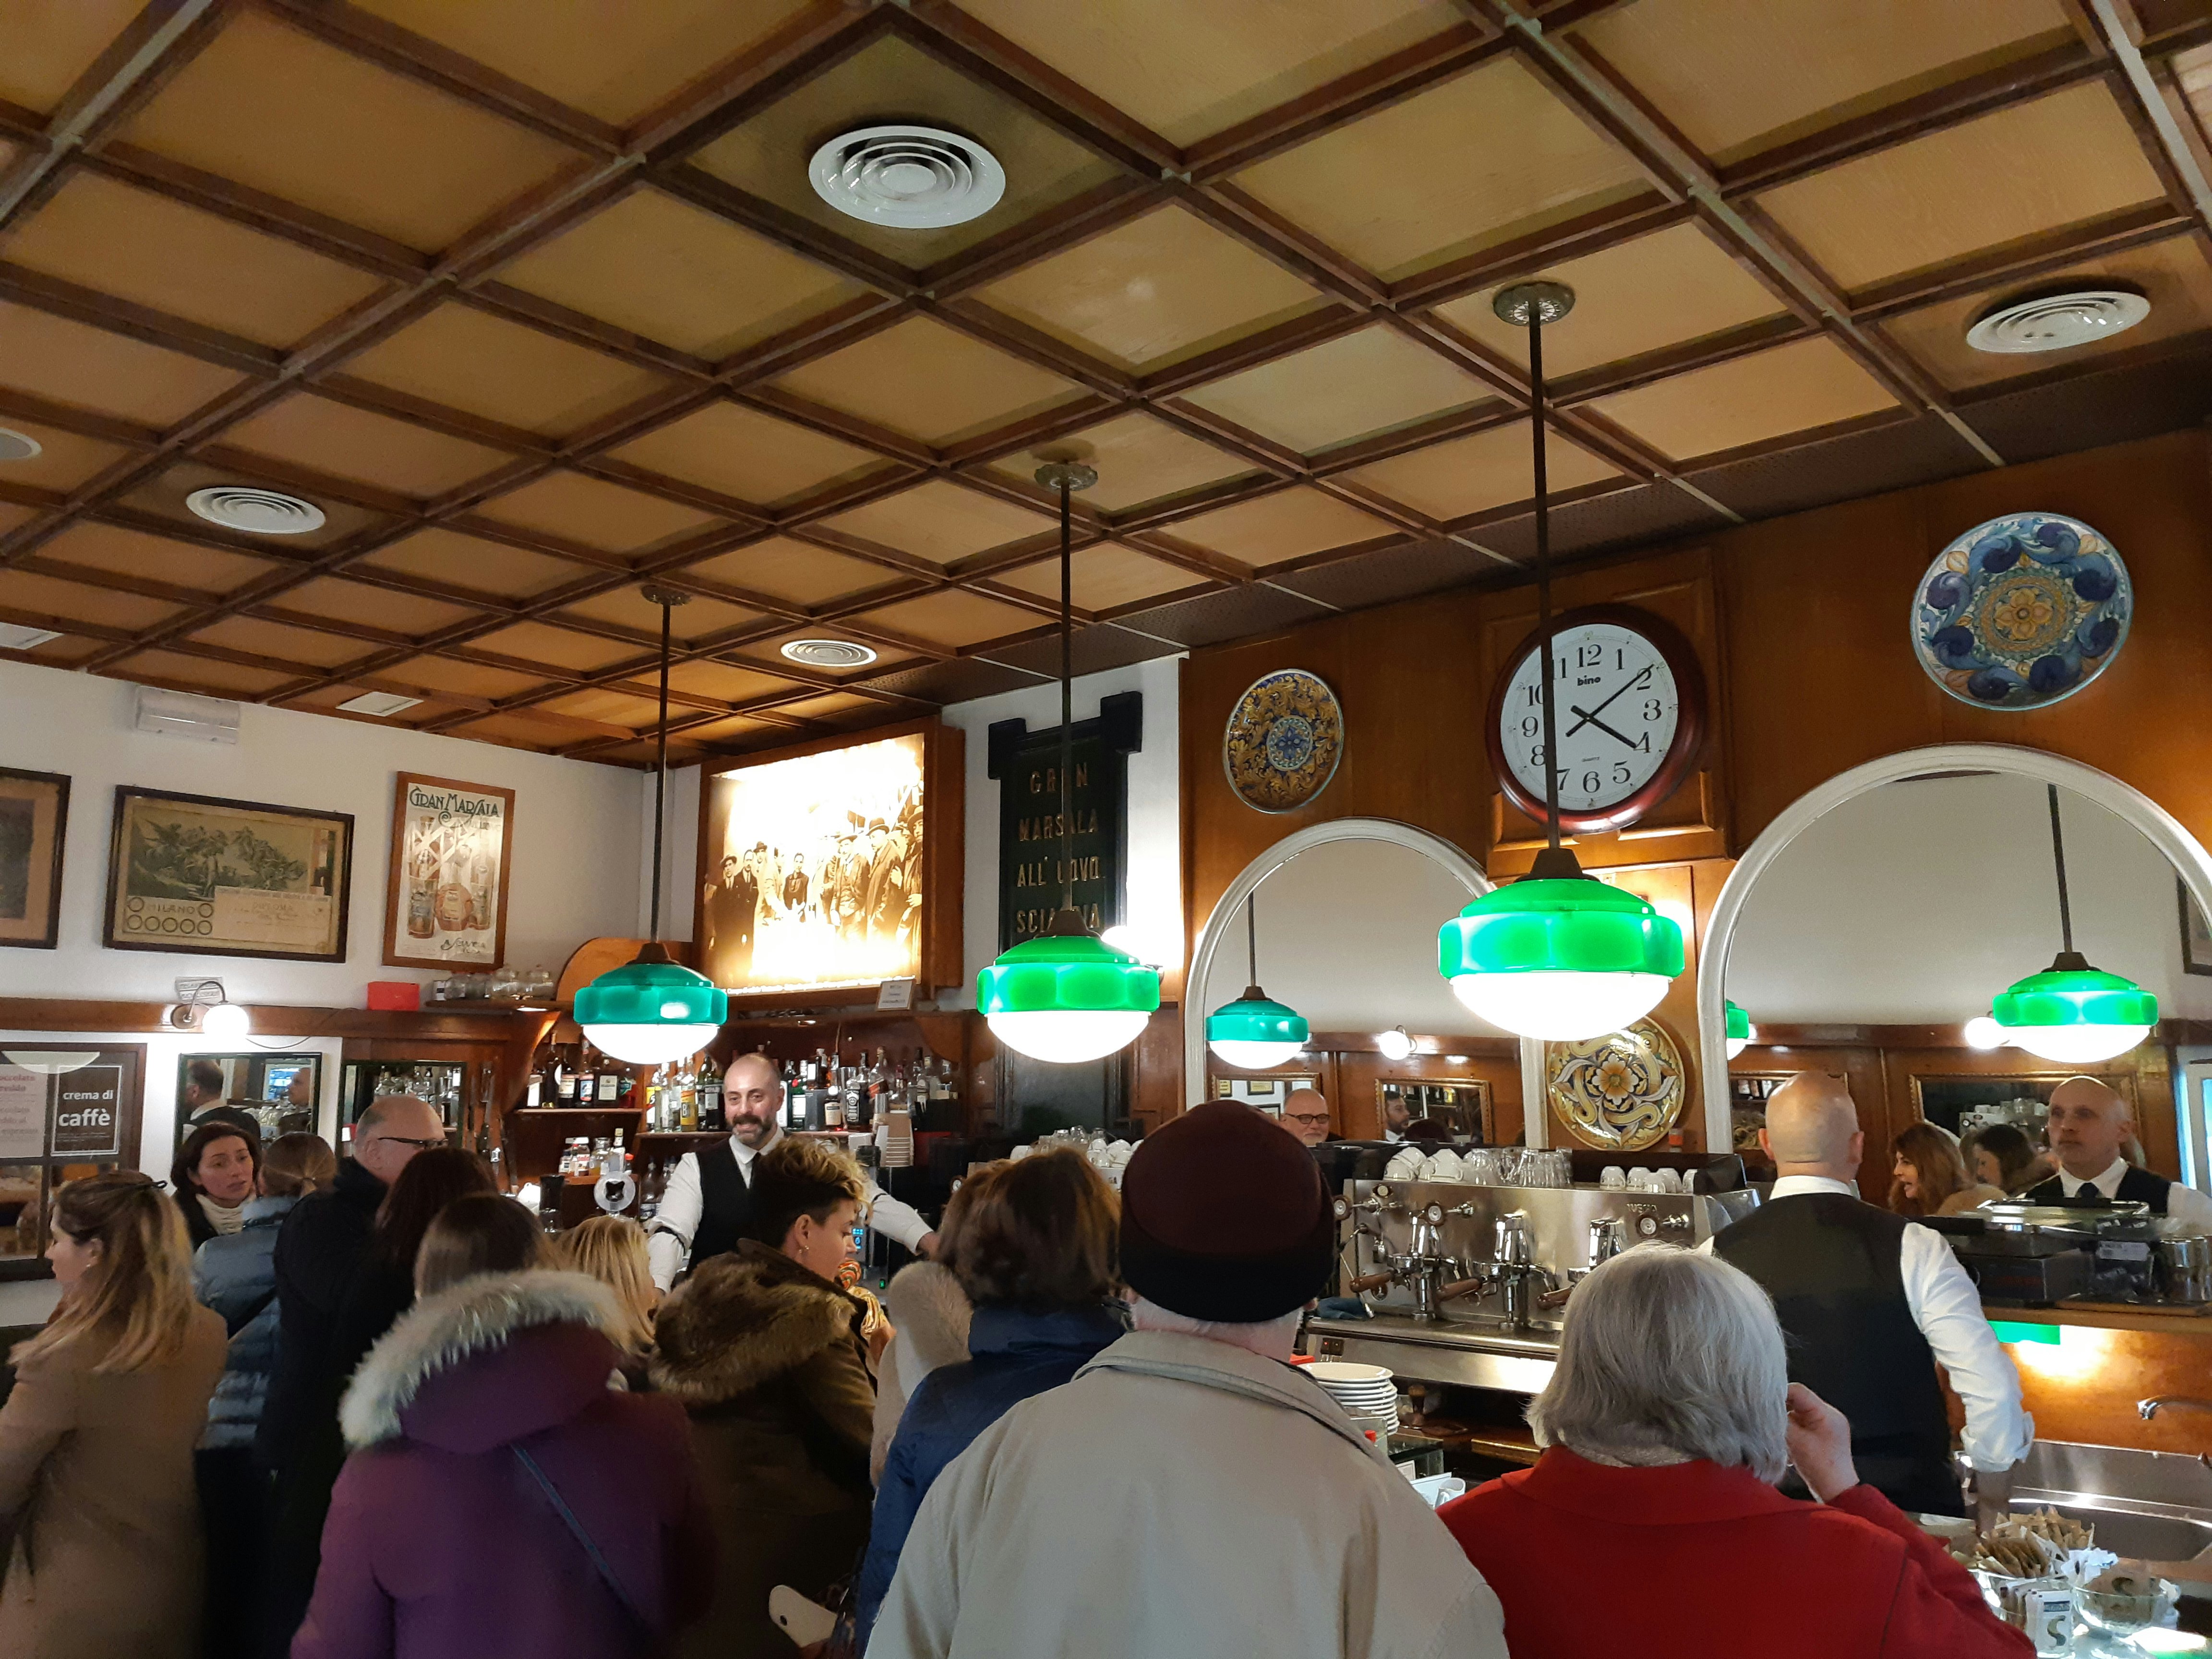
[(2164, 142)]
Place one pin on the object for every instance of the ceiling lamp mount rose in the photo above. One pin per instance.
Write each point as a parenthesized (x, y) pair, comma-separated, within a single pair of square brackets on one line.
[(1555, 955), (907, 177), (652, 1009), (1066, 996), (1255, 1032), (2071, 1011)]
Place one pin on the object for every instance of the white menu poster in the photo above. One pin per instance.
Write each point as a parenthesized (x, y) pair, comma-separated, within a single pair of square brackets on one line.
[(22, 1113)]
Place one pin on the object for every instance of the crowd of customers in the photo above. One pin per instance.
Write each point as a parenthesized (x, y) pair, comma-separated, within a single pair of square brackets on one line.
[(378, 1414)]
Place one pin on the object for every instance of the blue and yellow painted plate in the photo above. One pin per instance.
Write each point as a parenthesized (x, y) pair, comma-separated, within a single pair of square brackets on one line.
[(1285, 738), (2022, 612)]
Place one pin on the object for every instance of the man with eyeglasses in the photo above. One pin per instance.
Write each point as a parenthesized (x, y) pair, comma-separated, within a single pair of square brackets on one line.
[(1305, 1114)]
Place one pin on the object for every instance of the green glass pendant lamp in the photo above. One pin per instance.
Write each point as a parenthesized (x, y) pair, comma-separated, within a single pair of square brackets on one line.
[(2071, 1011), (1555, 955), (1739, 1030), (1254, 1032), (652, 1009), (1065, 995)]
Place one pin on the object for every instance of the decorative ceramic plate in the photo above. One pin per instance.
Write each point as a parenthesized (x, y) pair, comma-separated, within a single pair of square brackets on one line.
[(2022, 612), (1622, 1092), (1285, 738)]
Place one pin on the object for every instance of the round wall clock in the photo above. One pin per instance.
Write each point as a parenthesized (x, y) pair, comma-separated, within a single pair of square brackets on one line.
[(1631, 702), (2022, 611), (1622, 1092), (1285, 738)]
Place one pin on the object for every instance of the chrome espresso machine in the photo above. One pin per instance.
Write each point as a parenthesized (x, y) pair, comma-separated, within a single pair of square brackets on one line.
[(1467, 1285)]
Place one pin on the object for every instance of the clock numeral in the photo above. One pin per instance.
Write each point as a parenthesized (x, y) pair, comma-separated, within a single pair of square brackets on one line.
[(1643, 744), (1589, 656), (1652, 710), (1529, 725), (1620, 772), (1535, 697), (1536, 754), (1590, 782)]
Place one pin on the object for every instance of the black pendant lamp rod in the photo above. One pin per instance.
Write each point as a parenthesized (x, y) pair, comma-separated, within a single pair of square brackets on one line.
[(1068, 477), (2067, 958), (1530, 306), (667, 599)]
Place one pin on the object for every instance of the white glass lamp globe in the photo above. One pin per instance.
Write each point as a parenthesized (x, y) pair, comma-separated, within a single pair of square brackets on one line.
[(1561, 1006), (1982, 1032), (2077, 1045), (1393, 1043), (650, 1045), (1067, 1035), (1737, 1045), (226, 1021), (1255, 1056)]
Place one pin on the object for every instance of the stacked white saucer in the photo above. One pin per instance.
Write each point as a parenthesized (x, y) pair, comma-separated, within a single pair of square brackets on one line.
[(1368, 1393)]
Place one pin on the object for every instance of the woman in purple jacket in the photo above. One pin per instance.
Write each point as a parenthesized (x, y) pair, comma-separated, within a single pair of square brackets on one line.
[(501, 1497)]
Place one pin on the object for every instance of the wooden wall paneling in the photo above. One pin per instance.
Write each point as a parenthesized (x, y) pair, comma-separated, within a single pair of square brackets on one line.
[(2084, 1388), (1156, 1090), (1863, 1073)]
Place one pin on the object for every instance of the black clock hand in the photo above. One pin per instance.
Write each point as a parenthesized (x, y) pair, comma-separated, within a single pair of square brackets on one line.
[(1592, 720), (1642, 674)]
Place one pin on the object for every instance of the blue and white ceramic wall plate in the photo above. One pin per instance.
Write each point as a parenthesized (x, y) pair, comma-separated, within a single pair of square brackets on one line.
[(1285, 738), (2022, 612)]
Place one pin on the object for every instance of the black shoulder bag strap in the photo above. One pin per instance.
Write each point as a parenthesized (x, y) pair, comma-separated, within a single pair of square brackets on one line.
[(600, 1562)]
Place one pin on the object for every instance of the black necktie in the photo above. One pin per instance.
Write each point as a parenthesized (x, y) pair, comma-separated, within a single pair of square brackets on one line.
[(2088, 1190)]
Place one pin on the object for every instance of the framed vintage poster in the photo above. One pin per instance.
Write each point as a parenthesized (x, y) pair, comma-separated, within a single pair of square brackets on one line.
[(2196, 933), (65, 1112), (445, 900), (828, 868), (207, 876), (34, 824)]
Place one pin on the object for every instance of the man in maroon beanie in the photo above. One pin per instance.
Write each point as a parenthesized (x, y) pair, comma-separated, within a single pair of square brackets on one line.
[(1191, 1491)]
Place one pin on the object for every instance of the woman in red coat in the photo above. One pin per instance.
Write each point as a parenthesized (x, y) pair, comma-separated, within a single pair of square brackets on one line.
[(1651, 1526)]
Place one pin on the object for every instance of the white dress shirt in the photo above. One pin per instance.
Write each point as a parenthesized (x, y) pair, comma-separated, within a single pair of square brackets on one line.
[(2182, 1203), (682, 1203), (1947, 1309)]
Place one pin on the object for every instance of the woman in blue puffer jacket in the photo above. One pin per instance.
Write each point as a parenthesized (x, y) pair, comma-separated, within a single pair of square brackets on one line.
[(235, 1274)]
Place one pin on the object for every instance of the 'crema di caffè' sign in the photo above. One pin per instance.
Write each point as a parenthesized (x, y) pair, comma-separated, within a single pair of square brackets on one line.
[(73, 1114), (1032, 872)]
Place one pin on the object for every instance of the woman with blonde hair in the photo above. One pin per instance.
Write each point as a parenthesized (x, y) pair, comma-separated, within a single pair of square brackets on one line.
[(96, 1441), (612, 1250), (1930, 1177)]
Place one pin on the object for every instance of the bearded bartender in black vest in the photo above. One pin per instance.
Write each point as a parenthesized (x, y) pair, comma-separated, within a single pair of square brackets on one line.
[(1871, 1304), (708, 1208), (2088, 1125)]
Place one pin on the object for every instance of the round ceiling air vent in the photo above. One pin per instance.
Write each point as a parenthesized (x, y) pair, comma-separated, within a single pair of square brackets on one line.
[(912, 177), (828, 653), (2052, 322), (257, 512), (16, 445)]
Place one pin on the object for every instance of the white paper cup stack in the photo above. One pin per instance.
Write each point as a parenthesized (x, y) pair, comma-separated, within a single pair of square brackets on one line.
[(895, 1140)]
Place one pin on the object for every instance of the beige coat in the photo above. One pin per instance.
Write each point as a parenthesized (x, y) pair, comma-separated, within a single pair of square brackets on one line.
[(96, 1471), (1182, 1497)]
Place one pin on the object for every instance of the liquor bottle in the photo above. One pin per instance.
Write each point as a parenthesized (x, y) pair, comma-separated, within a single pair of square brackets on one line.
[(610, 1088), (687, 1101), (423, 894), (710, 1095), (587, 1090), (833, 1098), (565, 1085)]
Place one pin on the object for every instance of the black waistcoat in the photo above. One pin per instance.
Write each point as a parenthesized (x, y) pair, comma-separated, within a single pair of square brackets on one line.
[(2136, 1187), (1833, 1266), (725, 1204)]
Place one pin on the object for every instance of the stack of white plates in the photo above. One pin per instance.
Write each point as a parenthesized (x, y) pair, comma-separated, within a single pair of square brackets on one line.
[(895, 1140), (1368, 1393)]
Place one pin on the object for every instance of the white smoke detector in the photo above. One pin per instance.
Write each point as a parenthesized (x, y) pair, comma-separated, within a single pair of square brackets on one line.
[(257, 512), (2053, 322), (828, 653), (16, 445), (912, 177)]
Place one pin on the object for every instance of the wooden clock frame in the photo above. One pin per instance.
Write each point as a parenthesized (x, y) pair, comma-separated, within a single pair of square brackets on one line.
[(1692, 722)]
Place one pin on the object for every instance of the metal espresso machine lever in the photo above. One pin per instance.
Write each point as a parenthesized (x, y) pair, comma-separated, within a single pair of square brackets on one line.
[(1424, 1265)]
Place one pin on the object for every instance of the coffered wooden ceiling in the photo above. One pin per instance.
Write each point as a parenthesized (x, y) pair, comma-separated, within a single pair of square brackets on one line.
[(534, 298)]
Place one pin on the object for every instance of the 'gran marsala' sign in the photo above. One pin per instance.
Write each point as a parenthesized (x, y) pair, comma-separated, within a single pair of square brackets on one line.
[(1027, 766)]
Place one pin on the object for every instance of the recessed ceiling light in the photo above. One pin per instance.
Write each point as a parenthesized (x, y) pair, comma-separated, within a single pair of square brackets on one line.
[(16, 445), (379, 703), (257, 512), (908, 177), (828, 653), (2053, 322), (13, 638)]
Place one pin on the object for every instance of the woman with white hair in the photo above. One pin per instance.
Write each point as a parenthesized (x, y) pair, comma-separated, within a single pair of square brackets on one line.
[(1667, 1422)]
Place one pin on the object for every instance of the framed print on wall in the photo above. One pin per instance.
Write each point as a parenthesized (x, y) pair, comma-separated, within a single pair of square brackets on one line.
[(445, 898), (2196, 934), (34, 824), (828, 868), (207, 876)]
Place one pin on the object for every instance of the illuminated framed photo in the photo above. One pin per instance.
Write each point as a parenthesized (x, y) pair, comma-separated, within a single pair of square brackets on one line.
[(445, 896), (33, 825), (828, 868), (207, 876)]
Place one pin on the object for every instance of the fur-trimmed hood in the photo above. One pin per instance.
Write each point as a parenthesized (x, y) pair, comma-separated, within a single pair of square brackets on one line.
[(491, 1359), (742, 1321)]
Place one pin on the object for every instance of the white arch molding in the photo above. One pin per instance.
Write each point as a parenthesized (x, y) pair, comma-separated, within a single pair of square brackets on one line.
[(2164, 831), (1223, 920)]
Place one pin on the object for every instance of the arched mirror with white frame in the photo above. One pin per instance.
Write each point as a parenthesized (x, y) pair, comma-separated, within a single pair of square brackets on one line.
[(1344, 917), (1881, 913)]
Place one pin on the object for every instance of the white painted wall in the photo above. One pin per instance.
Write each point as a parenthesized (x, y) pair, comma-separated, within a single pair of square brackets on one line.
[(1347, 936), (1917, 902), (1155, 848), (577, 833)]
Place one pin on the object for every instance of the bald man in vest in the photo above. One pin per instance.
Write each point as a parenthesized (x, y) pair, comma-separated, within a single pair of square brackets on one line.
[(2088, 1125), (1871, 1304)]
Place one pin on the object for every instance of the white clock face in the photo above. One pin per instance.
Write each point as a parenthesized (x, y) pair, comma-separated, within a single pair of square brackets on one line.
[(1617, 710)]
